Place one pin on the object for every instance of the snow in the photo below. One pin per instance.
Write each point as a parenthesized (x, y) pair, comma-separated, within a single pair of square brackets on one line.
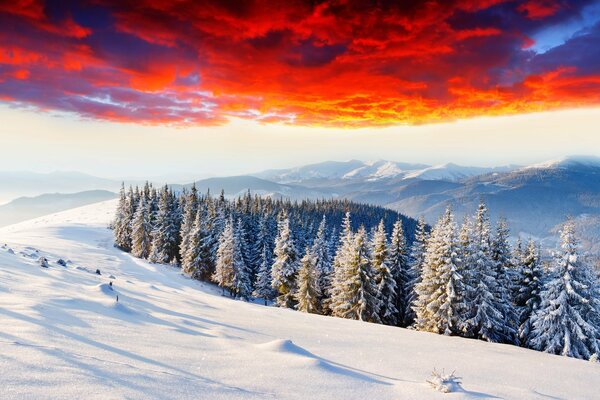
[(63, 335)]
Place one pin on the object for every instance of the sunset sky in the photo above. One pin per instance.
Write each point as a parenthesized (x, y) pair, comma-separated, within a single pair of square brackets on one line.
[(245, 85)]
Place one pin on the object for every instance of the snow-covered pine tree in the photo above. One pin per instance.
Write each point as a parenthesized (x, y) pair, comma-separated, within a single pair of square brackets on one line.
[(242, 280), (505, 276), (123, 220), (415, 262), (487, 321), (320, 253), (384, 278), (262, 285), (530, 276), (165, 233), (285, 265), (141, 235), (440, 293), (566, 321), (190, 208), (398, 264), (196, 256), (343, 253), (224, 270), (309, 292)]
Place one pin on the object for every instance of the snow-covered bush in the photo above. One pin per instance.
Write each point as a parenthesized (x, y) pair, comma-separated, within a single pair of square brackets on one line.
[(444, 383)]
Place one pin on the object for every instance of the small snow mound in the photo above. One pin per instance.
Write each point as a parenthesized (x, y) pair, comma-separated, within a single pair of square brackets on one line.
[(10, 251), (106, 289), (285, 346), (111, 277)]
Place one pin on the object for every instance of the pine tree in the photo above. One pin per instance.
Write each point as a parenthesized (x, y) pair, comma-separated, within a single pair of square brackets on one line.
[(340, 262), (242, 280), (357, 298), (285, 265), (528, 289), (141, 240), (224, 271), (487, 321), (123, 219), (190, 209), (505, 276), (309, 292), (166, 232), (566, 322), (416, 260), (320, 253), (262, 285), (195, 257), (384, 279), (399, 268), (440, 292)]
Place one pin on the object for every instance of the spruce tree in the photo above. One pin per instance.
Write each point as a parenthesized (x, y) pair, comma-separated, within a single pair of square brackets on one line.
[(224, 270), (357, 298), (415, 261), (398, 264), (285, 265), (123, 220), (487, 321), (384, 279), (262, 285), (308, 293), (166, 232), (242, 280), (196, 255), (320, 253), (190, 209), (340, 263), (440, 292), (528, 290), (566, 322), (141, 239), (505, 276)]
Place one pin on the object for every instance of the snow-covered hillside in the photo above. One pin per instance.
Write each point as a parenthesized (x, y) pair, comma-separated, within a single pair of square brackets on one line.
[(64, 335)]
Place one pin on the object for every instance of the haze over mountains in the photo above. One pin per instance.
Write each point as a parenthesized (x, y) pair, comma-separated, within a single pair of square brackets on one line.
[(535, 199)]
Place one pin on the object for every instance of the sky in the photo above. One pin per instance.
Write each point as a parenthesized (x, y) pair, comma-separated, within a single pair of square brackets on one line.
[(226, 87)]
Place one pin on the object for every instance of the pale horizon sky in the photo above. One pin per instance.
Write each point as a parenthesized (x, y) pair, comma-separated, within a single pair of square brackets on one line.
[(44, 142)]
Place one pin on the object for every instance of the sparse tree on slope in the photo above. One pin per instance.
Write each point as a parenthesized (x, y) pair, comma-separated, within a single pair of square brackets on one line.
[(566, 322), (308, 292), (285, 266), (385, 281), (141, 230)]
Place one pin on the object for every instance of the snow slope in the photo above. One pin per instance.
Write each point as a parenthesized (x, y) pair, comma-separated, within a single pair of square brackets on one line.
[(64, 336)]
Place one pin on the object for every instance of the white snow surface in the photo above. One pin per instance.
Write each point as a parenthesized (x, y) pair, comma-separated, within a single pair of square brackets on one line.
[(64, 336)]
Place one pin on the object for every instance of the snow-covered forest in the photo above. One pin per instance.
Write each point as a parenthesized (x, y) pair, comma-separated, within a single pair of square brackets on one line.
[(367, 263)]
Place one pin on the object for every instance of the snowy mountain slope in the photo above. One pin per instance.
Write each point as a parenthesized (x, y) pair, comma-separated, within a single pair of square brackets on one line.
[(63, 335), (24, 208)]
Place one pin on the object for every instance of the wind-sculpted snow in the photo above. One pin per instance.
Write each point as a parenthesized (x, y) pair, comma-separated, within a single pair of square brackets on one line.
[(63, 335)]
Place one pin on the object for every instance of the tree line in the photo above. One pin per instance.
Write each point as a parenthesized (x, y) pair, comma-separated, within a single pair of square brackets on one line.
[(356, 261)]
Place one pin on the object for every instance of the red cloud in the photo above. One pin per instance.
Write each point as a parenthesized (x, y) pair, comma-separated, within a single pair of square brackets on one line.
[(335, 63)]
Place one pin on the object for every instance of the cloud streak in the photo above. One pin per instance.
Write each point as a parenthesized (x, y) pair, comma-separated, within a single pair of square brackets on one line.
[(325, 63)]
